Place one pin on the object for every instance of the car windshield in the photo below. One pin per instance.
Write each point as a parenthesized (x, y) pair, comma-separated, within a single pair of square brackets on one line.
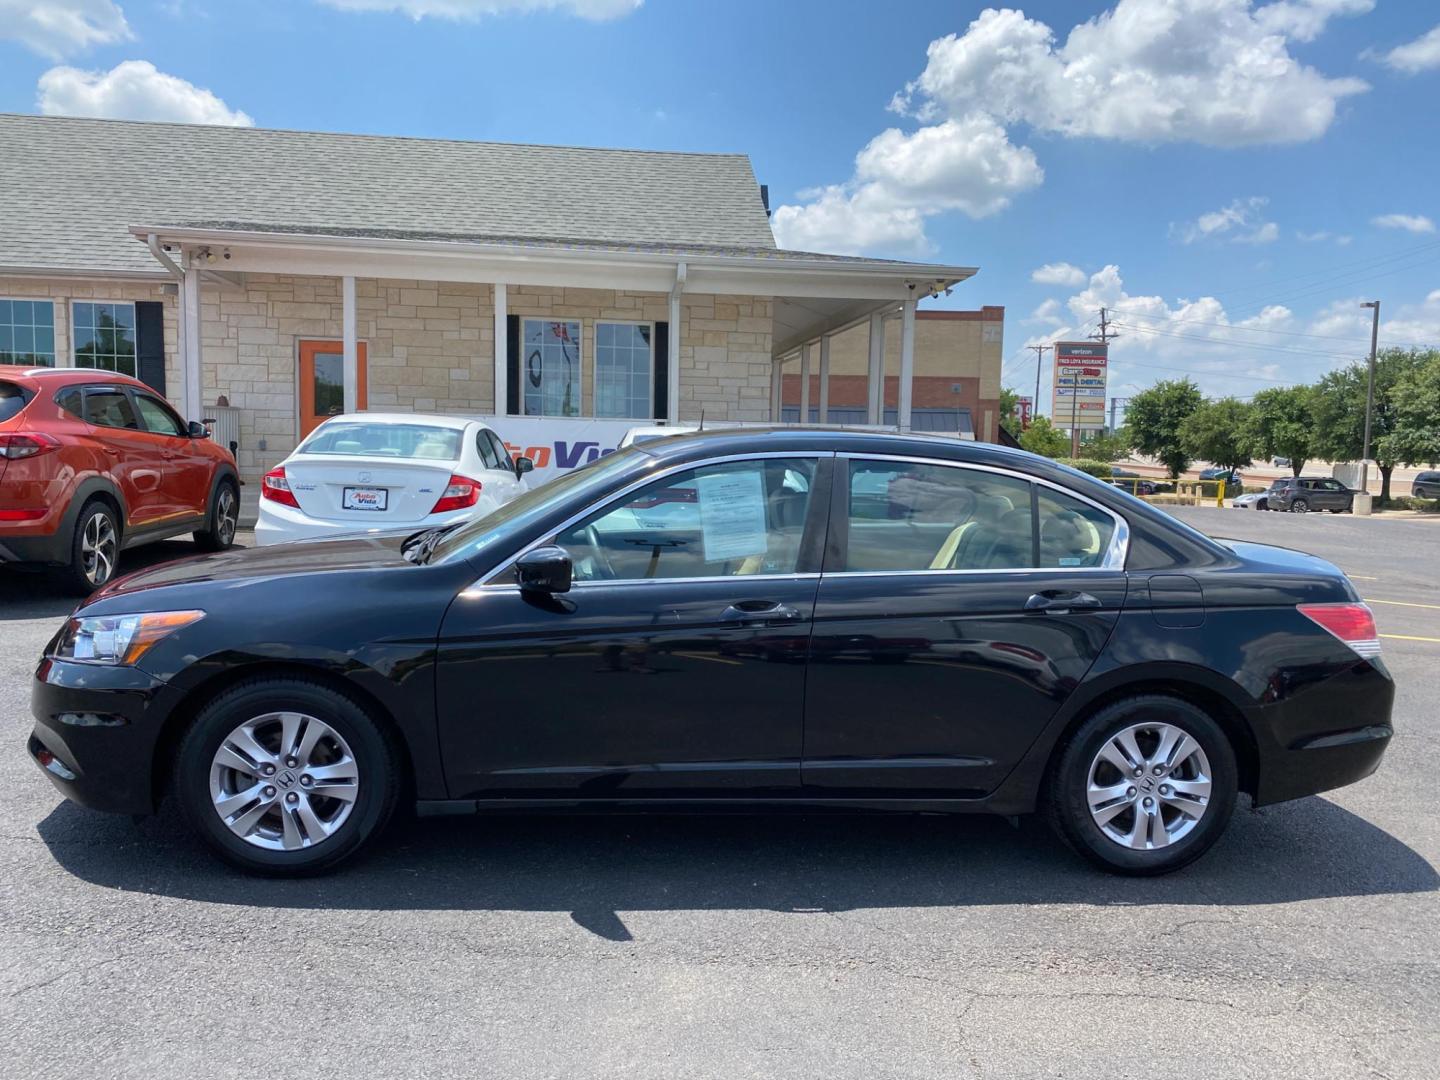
[(360, 439), (515, 517)]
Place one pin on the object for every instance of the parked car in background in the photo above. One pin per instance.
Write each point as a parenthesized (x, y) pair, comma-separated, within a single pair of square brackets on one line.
[(1426, 485), (1301, 494), (781, 619), (650, 434), (1137, 486), (1255, 500), (93, 462), (1234, 481), (381, 472)]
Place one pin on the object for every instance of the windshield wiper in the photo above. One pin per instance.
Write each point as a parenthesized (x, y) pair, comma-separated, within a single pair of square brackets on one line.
[(419, 547)]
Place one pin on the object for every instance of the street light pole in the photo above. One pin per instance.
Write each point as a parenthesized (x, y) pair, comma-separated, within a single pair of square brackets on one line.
[(1369, 395)]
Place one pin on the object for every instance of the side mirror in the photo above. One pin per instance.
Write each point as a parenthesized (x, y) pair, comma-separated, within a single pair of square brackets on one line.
[(522, 466), (544, 570), (198, 430)]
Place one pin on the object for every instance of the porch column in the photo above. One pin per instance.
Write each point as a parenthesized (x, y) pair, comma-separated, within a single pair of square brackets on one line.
[(804, 384), (349, 343), (907, 363), (875, 380), (502, 350), (777, 389), (191, 382), (825, 379), (672, 357)]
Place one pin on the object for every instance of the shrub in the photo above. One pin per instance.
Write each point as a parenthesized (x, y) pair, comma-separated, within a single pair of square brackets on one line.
[(1098, 469)]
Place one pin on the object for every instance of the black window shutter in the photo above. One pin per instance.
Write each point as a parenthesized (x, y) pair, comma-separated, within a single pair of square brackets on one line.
[(662, 371), (150, 344), (512, 365)]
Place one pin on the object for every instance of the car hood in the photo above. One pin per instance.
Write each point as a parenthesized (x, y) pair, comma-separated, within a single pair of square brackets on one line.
[(255, 564)]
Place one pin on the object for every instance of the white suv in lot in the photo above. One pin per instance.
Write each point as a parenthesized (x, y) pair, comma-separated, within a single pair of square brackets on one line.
[(381, 472)]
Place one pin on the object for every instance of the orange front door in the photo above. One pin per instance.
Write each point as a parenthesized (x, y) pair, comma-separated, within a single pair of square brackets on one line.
[(322, 382)]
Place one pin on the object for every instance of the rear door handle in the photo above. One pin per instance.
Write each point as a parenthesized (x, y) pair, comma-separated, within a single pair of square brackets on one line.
[(1059, 601), (759, 611)]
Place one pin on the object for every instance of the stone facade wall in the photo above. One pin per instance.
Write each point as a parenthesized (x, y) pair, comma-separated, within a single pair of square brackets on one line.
[(725, 363)]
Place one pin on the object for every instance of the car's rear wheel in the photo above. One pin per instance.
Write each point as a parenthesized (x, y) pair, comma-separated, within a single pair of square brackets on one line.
[(286, 776), (1145, 786), (94, 549), (224, 515), (1299, 506)]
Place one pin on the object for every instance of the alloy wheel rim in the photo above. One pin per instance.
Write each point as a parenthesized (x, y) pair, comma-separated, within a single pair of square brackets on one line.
[(1149, 786), (1300, 506), (225, 515), (284, 781), (97, 549)]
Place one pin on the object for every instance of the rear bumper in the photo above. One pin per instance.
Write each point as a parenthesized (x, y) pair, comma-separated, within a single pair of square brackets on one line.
[(96, 731), (284, 525), (52, 548)]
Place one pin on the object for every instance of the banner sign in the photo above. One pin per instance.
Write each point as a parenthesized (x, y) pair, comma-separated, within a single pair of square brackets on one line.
[(558, 444), (1081, 369)]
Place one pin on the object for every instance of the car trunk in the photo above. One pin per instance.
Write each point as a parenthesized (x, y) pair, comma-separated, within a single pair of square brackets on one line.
[(375, 491), (13, 399)]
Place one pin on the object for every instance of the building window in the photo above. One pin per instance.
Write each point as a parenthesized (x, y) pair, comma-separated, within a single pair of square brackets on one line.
[(550, 372), (624, 366), (105, 336), (27, 333)]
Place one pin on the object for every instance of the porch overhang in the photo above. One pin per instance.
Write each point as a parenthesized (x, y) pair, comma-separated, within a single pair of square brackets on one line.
[(521, 261)]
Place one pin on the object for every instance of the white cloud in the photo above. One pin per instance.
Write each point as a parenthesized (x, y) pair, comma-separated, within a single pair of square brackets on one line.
[(1422, 54), (1049, 311), (967, 164), (1415, 223), (59, 28), (1058, 273), (1214, 72), (132, 90), (471, 10), (1239, 223)]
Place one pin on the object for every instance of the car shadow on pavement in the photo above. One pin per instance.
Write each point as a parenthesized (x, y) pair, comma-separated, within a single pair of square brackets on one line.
[(33, 593), (597, 867)]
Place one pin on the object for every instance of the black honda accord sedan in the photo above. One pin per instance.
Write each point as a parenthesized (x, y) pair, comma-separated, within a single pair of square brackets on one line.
[(797, 619)]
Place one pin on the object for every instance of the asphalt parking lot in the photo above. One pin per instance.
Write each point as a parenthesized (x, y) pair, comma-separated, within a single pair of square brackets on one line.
[(1306, 944)]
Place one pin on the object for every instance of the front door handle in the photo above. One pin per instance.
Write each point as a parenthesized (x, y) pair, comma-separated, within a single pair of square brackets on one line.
[(759, 611), (1059, 601)]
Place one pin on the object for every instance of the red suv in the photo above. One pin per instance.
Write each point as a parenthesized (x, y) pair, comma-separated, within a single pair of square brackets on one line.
[(92, 462)]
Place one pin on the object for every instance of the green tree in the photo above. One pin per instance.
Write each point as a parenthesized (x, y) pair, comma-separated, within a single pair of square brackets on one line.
[(1282, 424), (1010, 411), (1108, 446), (1340, 411), (1219, 432), (1042, 438), (1416, 438), (1154, 417)]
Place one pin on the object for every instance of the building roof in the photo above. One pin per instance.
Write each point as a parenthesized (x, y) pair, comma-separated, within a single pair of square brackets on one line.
[(73, 186)]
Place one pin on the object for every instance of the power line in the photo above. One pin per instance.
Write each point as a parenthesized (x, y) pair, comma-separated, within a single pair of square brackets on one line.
[(1231, 344), (1265, 330)]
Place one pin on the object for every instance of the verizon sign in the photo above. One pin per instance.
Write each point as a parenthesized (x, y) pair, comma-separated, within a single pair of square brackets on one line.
[(1079, 390)]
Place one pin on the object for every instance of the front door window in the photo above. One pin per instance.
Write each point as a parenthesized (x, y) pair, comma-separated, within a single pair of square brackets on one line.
[(322, 382)]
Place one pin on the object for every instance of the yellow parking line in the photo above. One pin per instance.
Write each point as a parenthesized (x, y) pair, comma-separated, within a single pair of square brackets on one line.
[(1362, 577), (1411, 637), (1403, 603)]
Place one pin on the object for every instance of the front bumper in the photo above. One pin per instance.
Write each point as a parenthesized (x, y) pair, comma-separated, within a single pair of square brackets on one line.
[(96, 731)]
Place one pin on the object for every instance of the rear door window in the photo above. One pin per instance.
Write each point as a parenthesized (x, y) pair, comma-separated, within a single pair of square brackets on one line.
[(500, 451), (486, 451), (1072, 533), (110, 408), (12, 400)]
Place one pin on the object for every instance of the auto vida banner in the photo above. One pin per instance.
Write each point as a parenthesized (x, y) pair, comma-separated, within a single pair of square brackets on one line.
[(557, 444)]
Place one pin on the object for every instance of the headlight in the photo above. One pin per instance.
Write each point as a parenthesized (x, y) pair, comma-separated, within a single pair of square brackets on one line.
[(119, 639)]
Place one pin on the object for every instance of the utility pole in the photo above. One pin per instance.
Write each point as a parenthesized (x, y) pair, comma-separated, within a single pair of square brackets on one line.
[(1105, 336), (1040, 351), (1369, 396)]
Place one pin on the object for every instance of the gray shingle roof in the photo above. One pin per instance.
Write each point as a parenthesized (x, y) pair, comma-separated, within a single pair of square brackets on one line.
[(70, 187)]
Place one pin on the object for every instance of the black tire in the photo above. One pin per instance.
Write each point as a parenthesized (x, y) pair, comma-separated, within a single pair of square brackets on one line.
[(1262, 505), (1069, 778), (376, 759), (224, 516), (1300, 506), (95, 526)]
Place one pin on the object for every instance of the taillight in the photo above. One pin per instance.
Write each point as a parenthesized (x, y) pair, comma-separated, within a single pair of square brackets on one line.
[(1351, 622), (31, 444), (459, 493), (277, 488), (24, 515)]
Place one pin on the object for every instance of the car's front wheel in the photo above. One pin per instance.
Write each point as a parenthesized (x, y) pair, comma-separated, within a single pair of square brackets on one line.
[(286, 776), (1145, 786)]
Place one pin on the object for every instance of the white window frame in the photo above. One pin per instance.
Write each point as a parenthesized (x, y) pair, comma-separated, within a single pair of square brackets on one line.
[(579, 365), (649, 413), (53, 335), (70, 352)]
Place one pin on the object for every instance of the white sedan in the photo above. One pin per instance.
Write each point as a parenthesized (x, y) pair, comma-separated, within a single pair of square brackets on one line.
[(386, 472)]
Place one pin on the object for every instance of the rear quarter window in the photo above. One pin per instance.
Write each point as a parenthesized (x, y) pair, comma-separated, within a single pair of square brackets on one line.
[(13, 398)]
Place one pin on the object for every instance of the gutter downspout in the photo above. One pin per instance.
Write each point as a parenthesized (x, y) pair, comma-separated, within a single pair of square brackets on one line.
[(672, 358), (153, 243)]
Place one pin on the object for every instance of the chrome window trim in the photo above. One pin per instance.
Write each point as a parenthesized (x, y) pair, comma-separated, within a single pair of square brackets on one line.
[(1115, 554), (660, 474), (495, 588)]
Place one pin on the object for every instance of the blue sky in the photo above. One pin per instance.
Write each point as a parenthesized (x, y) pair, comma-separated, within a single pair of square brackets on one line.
[(1233, 177)]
